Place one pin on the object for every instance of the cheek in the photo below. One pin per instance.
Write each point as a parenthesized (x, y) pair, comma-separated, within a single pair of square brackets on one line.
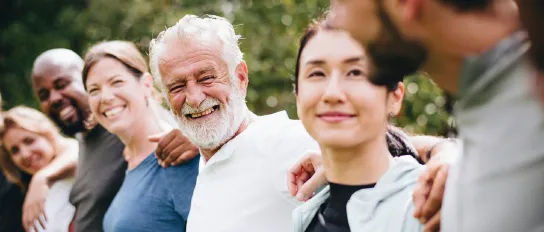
[(18, 161), (44, 147), (73, 93), (45, 106), (308, 99), (176, 102), (94, 103), (370, 101), (133, 96), (221, 93)]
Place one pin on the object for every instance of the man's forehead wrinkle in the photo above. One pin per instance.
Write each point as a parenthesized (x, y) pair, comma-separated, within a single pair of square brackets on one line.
[(207, 65), (188, 56)]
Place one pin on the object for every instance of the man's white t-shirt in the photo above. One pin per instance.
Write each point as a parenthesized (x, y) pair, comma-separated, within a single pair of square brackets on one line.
[(243, 187)]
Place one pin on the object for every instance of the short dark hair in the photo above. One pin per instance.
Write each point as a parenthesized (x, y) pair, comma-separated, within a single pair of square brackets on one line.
[(467, 5)]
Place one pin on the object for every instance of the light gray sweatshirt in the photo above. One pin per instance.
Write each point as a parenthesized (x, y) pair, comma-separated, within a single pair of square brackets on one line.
[(387, 207)]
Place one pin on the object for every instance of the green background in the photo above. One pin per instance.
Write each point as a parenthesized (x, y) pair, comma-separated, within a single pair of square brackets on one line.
[(270, 31)]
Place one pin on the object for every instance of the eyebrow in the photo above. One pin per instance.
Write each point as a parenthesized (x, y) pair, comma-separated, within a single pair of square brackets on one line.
[(195, 74), (173, 82), (346, 61), (206, 69), (353, 60), (114, 76), (60, 78), (315, 62), (109, 79)]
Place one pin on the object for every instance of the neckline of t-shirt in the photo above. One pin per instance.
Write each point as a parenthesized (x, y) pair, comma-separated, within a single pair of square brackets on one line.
[(147, 159)]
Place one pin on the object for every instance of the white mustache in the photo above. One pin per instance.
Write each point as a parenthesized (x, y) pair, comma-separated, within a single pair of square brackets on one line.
[(206, 104)]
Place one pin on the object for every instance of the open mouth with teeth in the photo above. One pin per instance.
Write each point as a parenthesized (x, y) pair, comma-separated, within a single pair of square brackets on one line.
[(66, 113), (114, 111), (202, 114)]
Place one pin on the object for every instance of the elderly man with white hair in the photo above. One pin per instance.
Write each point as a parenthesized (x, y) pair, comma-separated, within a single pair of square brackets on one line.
[(242, 176), (242, 182)]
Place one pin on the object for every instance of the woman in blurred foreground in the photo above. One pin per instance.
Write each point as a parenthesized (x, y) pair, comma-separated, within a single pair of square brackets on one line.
[(120, 89), (348, 116), (29, 142)]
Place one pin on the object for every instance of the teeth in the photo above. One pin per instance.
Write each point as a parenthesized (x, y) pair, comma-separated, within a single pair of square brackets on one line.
[(65, 111), (113, 111), (203, 113)]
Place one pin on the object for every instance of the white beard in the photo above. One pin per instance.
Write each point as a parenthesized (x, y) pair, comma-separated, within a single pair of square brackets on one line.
[(219, 127)]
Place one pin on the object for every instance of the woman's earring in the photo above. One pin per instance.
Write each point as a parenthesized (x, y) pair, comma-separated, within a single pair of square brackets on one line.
[(147, 101), (391, 116)]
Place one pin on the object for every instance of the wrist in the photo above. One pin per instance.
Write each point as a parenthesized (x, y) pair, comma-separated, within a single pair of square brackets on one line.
[(42, 176), (439, 146)]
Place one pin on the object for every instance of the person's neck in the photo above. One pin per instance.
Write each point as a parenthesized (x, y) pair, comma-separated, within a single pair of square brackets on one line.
[(137, 144), (363, 164), (445, 61), (249, 118)]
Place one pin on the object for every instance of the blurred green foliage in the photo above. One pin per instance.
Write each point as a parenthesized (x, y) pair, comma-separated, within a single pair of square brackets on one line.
[(270, 30)]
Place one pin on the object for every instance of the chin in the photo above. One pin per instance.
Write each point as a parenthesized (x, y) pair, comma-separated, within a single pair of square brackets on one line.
[(206, 136), (30, 170), (116, 128), (337, 143), (337, 140)]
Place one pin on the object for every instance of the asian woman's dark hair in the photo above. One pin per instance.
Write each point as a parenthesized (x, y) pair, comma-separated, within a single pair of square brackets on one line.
[(397, 140)]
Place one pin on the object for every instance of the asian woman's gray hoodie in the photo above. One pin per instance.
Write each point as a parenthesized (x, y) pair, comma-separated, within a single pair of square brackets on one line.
[(387, 207)]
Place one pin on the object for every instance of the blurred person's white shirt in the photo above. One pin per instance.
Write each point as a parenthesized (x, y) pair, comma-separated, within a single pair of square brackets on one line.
[(58, 209), (243, 187), (57, 206)]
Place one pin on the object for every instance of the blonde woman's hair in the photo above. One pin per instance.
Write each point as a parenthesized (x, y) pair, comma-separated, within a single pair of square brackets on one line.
[(29, 119)]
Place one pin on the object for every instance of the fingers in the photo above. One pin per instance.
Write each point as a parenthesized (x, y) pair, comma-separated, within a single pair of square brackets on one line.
[(172, 152), (297, 175), (308, 165), (295, 172), (317, 180), (175, 148), (292, 179), (28, 227), (183, 158), (163, 143), (421, 192), (35, 227), (434, 201), (433, 225), (157, 137), (302, 172), (41, 221), (27, 217), (302, 178), (42, 218), (32, 216)]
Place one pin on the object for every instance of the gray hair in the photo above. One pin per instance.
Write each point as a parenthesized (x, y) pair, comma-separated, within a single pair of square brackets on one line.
[(192, 28)]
